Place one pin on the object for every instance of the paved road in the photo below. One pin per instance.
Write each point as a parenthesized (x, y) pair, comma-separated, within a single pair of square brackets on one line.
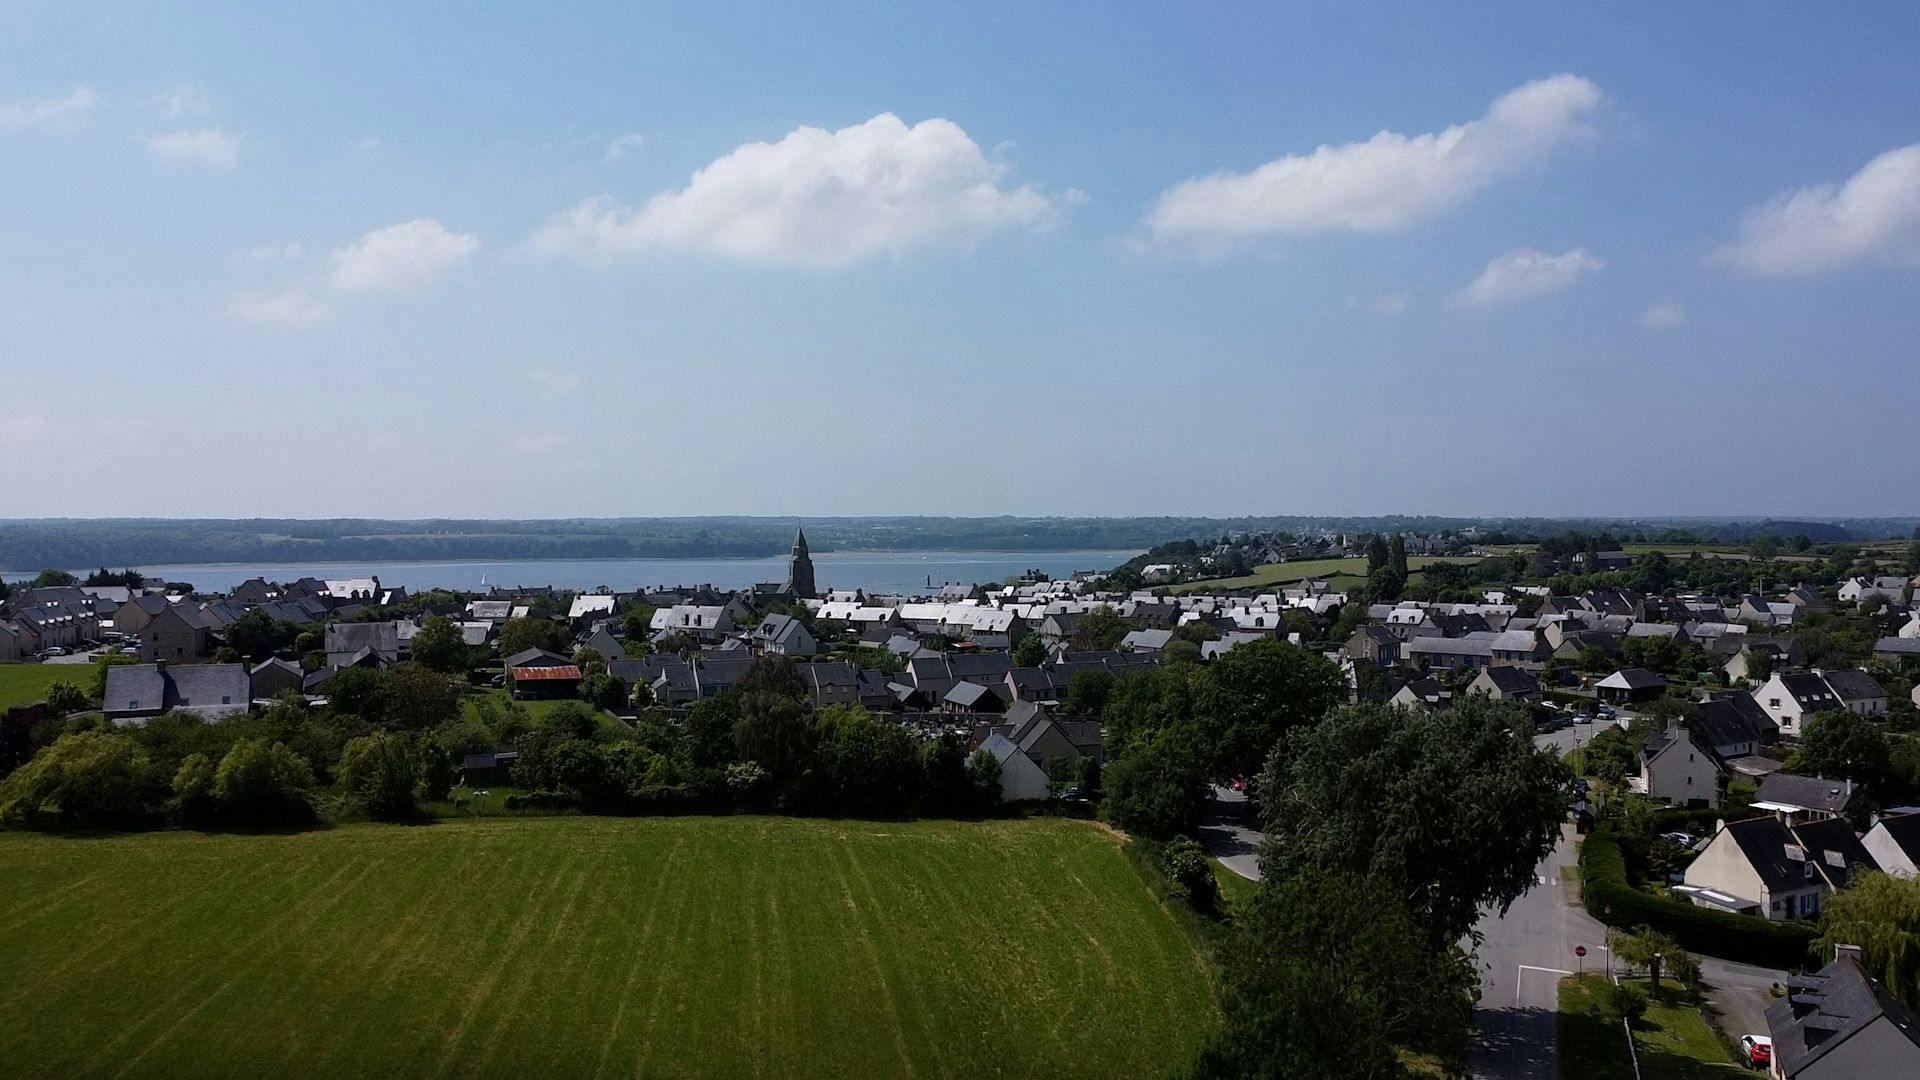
[(1739, 993), (1522, 958), (1229, 833)]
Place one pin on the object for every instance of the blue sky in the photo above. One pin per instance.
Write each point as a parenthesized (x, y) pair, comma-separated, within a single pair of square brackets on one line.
[(683, 259)]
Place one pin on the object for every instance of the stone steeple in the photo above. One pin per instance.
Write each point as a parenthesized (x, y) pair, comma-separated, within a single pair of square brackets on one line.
[(800, 568)]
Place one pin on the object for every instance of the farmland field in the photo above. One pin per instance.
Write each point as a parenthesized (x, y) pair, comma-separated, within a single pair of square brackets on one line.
[(563, 947), (1287, 573), (23, 684)]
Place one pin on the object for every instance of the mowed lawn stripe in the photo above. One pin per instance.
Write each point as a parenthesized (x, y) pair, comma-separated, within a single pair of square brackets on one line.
[(570, 946)]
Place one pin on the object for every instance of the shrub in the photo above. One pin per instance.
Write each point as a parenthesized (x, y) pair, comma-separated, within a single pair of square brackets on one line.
[(376, 771), (88, 777), (64, 697), (1623, 1001), (1189, 870), (1609, 897), (262, 784)]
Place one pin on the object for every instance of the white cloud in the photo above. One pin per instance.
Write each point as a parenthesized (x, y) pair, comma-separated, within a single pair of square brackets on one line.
[(292, 307), (43, 112), (181, 101), (403, 256), (1388, 183), (1392, 303), (1664, 315), (21, 430), (1874, 216), (532, 442), (555, 383), (1525, 272), (816, 198), (211, 147), (622, 145)]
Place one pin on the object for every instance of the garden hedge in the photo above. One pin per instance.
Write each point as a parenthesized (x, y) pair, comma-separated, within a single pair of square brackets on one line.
[(1610, 898)]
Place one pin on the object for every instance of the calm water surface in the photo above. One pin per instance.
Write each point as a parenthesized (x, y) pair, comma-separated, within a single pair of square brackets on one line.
[(874, 571)]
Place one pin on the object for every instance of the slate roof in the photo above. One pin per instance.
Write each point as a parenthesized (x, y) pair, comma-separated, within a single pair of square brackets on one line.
[(1512, 680), (153, 688), (1852, 684), (1780, 853), (1806, 792), (1632, 679), (1822, 1012), (1735, 718)]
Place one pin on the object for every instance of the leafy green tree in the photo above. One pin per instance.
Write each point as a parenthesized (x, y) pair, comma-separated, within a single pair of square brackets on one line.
[(1030, 651), (436, 770), (1378, 557), (947, 788), (262, 784), (636, 624), (86, 778), (1333, 969), (772, 730), (1087, 692), (1452, 808), (378, 773), (1190, 871), (519, 635), (255, 635), (1881, 914), (1253, 695), (50, 579), (1099, 629), (440, 646), (867, 766), (983, 779), (64, 697), (603, 691), (417, 698), (193, 788), (1158, 785), (1845, 745)]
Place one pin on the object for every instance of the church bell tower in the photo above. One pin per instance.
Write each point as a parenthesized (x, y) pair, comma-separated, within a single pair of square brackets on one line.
[(800, 569)]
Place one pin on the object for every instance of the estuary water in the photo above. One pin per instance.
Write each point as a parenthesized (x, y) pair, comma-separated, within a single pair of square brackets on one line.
[(873, 571)]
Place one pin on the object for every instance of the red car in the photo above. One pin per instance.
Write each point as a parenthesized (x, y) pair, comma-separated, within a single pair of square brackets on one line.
[(1756, 1050)]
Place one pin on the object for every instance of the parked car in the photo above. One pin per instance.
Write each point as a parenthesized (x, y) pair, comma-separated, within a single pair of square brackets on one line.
[(1686, 840), (58, 650), (1073, 794), (1756, 1051)]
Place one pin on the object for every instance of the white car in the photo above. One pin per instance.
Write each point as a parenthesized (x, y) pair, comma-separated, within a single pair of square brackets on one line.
[(1756, 1051)]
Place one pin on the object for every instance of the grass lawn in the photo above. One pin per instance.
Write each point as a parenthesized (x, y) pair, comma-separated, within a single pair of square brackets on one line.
[(1673, 1040), (24, 684), (1342, 571), (585, 946), (469, 704)]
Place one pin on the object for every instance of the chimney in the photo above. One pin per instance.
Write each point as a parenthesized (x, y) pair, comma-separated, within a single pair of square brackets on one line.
[(1850, 952)]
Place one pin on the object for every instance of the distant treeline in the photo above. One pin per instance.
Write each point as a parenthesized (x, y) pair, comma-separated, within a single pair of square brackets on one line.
[(35, 544)]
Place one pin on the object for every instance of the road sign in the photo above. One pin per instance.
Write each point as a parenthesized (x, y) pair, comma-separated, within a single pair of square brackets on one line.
[(1579, 950)]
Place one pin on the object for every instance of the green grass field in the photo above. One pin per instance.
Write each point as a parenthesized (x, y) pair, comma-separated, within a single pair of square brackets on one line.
[(584, 947), (23, 684), (1339, 570)]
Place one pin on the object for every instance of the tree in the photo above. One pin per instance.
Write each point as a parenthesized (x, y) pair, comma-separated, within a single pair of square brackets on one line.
[(50, 579), (439, 645), (1881, 914), (519, 635), (1099, 629), (416, 698), (1641, 948), (1838, 743), (983, 780), (636, 624), (64, 697), (436, 770), (772, 730), (1254, 694), (85, 778), (262, 784), (1378, 557), (1087, 692), (255, 635), (1334, 970), (1454, 809), (1397, 555), (1188, 869), (1158, 786), (378, 773), (1030, 651), (603, 691)]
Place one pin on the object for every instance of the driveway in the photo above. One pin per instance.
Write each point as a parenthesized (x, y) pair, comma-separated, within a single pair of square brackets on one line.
[(1229, 833), (1739, 994)]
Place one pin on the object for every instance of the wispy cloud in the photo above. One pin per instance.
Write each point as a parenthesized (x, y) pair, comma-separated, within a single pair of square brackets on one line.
[(622, 145), (47, 111), (816, 198), (555, 383), (179, 102), (1873, 217), (21, 430), (288, 252), (292, 307), (1386, 184), (1664, 315), (400, 257), (207, 147), (534, 442), (1527, 272)]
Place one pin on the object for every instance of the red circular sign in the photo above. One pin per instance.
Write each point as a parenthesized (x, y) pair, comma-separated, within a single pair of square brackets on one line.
[(1579, 950)]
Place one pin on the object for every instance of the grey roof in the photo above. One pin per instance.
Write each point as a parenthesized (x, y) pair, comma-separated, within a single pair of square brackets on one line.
[(1904, 831), (1780, 853), (1633, 678), (1822, 1012), (1806, 792), (1899, 645), (1735, 718), (381, 637), (537, 658), (153, 688), (1852, 684), (1512, 680)]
